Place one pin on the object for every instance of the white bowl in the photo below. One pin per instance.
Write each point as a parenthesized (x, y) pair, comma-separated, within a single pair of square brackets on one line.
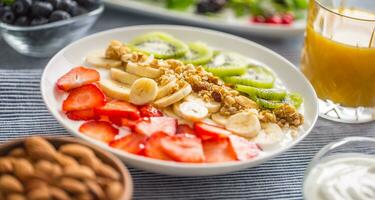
[(74, 54)]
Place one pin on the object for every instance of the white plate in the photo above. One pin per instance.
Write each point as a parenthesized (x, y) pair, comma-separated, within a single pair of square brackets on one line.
[(74, 54), (229, 24)]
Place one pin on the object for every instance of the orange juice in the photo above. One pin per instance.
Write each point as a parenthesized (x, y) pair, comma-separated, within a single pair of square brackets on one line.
[(339, 56)]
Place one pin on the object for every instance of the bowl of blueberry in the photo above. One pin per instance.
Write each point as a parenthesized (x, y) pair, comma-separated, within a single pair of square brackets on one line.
[(40, 28)]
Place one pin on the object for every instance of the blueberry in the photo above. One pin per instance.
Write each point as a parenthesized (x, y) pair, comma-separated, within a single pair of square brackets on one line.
[(88, 4), (78, 10), (8, 16), (22, 21), (21, 7), (38, 21), (68, 6), (55, 3), (58, 15), (41, 9)]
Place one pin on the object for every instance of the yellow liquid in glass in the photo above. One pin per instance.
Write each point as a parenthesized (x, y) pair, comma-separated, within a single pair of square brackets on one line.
[(339, 61)]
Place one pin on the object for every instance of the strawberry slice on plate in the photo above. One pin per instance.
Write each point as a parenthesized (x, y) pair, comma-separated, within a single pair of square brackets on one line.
[(218, 150), (83, 98), (100, 130), (87, 114), (183, 149), (153, 148), (184, 129), (206, 131), (132, 143), (244, 149), (150, 111), (118, 108), (123, 122), (152, 125), (77, 77)]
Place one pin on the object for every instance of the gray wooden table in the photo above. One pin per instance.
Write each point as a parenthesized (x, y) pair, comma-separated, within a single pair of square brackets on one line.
[(280, 178)]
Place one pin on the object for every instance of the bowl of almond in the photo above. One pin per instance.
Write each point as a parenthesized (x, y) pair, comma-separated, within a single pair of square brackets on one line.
[(61, 169)]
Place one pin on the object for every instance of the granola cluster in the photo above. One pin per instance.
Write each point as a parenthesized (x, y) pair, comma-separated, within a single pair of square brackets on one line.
[(205, 84)]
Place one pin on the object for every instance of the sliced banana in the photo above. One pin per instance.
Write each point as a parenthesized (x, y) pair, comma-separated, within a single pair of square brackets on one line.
[(212, 106), (170, 113), (115, 89), (123, 77), (245, 124), (219, 118), (270, 136), (193, 111), (173, 98), (143, 91), (166, 89), (176, 109), (98, 59), (142, 71)]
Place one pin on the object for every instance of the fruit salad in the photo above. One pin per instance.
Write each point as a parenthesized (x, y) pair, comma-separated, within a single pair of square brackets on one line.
[(161, 98)]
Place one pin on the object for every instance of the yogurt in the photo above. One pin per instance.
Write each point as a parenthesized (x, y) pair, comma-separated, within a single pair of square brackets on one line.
[(342, 177)]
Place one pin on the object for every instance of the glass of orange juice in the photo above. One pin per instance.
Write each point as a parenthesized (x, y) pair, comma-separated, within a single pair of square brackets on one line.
[(339, 58)]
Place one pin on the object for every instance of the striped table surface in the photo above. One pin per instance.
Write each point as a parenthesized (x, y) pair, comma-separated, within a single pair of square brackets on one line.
[(23, 113)]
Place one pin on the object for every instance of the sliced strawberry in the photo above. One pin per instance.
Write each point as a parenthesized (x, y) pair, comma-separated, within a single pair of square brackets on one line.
[(118, 108), (87, 114), (99, 130), (150, 111), (206, 131), (218, 150), (183, 149), (244, 149), (123, 122), (153, 147), (83, 98), (152, 125), (185, 130), (77, 77), (132, 143)]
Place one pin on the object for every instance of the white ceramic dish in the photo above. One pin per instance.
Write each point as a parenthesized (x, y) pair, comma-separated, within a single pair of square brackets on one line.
[(74, 54), (228, 24)]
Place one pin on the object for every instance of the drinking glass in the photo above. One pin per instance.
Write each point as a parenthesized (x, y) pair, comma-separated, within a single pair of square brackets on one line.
[(339, 58)]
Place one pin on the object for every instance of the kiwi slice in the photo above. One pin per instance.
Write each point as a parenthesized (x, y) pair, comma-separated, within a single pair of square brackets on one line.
[(268, 103), (294, 99), (227, 64), (159, 44), (268, 94), (198, 54), (256, 76)]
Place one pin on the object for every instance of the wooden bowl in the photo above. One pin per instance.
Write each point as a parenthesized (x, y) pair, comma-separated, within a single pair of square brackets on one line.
[(104, 156)]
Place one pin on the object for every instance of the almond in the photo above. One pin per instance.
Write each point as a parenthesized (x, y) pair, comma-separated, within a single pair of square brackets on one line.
[(17, 152), (35, 183), (23, 169), (102, 181), (65, 160), (95, 189), (39, 148), (47, 170), (85, 196), (76, 150), (114, 191), (15, 197), (58, 194), (41, 193), (107, 171), (91, 161), (10, 184), (72, 185), (6, 165), (79, 172)]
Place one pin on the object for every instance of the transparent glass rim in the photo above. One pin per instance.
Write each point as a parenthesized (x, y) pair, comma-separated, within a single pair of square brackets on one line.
[(342, 15), (97, 11)]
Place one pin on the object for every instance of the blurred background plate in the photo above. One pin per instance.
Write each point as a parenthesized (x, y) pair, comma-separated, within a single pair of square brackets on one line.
[(227, 24)]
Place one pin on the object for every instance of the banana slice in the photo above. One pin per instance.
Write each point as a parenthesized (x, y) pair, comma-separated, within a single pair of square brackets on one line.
[(143, 91), (170, 113), (173, 98), (176, 109), (193, 111), (148, 72), (115, 89), (97, 59), (219, 118), (123, 77), (212, 106), (245, 124), (166, 89), (270, 136)]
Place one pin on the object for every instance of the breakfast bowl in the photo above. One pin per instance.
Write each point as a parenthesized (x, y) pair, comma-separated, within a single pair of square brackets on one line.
[(113, 136), (61, 167), (46, 39)]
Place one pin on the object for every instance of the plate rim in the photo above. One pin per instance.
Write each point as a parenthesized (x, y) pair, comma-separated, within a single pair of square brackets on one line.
[(174, 164)]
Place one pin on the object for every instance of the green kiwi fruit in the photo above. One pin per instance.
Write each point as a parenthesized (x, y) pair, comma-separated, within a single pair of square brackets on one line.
[(294, 99), (268, 94), (198, 54), (256, 76), (227, 64), (159, 44)]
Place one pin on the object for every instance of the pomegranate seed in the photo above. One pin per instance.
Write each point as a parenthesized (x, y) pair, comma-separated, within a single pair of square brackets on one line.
[(287, 18), (275, 19), (258, 19)]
